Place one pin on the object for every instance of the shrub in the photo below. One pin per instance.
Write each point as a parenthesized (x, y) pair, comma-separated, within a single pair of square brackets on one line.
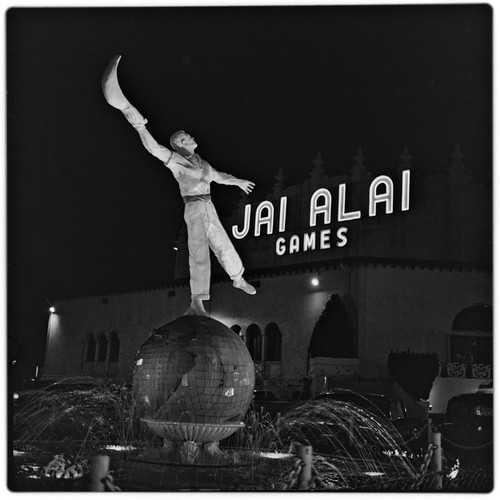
[(333, 335)]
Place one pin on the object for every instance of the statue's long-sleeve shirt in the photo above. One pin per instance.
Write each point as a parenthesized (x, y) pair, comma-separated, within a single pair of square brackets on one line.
[(193, 173)]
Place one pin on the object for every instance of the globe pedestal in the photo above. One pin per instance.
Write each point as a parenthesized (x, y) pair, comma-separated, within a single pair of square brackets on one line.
[(187, 439), (193, 383)]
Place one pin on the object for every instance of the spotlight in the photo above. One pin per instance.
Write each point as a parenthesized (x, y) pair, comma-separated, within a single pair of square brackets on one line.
[(315, 282), (175, 248), (52, 309)]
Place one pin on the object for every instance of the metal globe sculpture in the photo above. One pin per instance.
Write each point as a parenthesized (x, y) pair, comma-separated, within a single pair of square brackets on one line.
[(193, 382)]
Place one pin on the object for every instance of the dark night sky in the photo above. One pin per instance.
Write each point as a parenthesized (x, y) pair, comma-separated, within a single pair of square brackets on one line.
[(90, 211)]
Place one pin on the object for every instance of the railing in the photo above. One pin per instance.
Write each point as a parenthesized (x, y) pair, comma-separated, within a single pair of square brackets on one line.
[(466, 370)]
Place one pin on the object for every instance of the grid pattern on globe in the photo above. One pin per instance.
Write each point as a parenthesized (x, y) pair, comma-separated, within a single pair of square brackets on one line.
[(194, 369)]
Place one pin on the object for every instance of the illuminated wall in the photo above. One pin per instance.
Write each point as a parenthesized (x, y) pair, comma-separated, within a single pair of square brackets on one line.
[(403, 278)]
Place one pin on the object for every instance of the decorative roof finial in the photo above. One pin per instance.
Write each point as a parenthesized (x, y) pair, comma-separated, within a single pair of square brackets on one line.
[(243, 200), (280, 178), (358, 169), (457, 168), (360, 157), (318, 163), (279, 184), (405, 158), (457, 156), (317, 173)]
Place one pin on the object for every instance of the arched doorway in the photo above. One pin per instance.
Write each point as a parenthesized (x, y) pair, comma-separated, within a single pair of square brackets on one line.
[(471, 341), (272, 350), (254, 342)]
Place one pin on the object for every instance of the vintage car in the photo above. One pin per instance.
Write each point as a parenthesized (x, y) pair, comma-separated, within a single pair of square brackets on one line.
[(467, 428), (387, 407), (342, 418), (265, 401)]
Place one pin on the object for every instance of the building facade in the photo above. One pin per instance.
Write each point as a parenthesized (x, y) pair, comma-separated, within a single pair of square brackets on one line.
[(406, 257)]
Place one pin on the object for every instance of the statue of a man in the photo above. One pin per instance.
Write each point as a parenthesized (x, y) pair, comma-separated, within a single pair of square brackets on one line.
[(194, 176)]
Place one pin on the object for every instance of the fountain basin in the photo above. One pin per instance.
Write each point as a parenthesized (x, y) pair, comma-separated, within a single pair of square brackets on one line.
[(193, 431)]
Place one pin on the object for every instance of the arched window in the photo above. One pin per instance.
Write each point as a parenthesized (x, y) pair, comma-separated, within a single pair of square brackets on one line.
[(102, 349), (478, 317), (273, 343), (237, 329), (114, 349), (254, 342), (471, 339), (90, 348)]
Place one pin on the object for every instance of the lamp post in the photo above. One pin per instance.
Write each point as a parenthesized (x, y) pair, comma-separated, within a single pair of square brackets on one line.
[(52, 311)]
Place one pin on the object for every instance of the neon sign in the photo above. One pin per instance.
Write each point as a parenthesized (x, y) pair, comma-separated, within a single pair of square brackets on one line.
[(381, 194)]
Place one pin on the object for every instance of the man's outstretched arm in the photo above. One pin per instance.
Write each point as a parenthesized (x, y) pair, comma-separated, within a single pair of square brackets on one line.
[(223, 178), (139, 123)]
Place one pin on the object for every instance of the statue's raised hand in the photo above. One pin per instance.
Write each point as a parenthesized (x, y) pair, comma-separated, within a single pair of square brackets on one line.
[(247, 186)]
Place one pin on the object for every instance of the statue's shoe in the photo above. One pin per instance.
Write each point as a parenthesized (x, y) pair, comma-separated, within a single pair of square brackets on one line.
[(243, 285), (196, 310)]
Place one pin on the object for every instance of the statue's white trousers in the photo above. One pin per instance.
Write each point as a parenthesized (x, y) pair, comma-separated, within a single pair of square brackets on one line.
[(204, 232)]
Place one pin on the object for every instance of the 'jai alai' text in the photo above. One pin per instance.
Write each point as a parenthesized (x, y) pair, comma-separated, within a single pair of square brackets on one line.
[(381, 194)]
